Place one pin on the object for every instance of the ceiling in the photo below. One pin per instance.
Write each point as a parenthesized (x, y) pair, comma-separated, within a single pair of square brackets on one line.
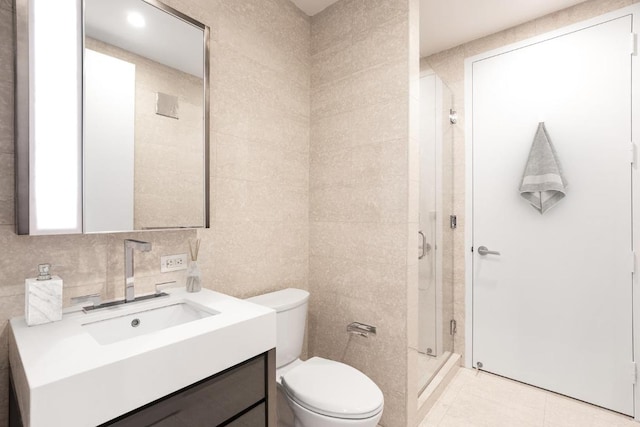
[(445, 24)]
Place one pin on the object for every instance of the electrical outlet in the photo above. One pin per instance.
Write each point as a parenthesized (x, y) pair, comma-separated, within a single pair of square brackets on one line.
[(173, 263)]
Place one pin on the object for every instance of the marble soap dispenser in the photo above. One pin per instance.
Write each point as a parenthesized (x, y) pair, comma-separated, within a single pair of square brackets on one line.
[(43, 297)]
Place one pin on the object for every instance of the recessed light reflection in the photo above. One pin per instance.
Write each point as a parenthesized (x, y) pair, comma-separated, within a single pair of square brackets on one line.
[(136, 19)]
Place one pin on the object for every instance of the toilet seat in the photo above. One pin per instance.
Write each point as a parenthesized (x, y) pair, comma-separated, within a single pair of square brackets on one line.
[(333, 389)]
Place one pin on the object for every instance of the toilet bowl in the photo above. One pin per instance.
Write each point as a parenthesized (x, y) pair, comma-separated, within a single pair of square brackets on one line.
[(319, 392)]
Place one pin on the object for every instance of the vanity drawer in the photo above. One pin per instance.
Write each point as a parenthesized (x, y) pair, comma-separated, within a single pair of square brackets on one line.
[(210, 402), (254, 418)]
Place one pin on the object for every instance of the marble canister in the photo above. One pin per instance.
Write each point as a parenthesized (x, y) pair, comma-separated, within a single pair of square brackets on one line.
[(43, 298)]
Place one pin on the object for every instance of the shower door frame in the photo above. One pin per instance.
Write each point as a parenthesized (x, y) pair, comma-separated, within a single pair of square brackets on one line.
[(633, 10)]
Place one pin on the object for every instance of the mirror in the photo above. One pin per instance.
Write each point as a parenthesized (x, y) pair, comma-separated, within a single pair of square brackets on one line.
[(144, 117), (112, 117), (435, 264)]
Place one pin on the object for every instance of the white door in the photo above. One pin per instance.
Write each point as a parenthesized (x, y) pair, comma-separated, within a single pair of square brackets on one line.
[(554, 309)]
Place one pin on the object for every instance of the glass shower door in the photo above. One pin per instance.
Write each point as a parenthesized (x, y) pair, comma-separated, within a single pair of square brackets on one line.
[(435, 284)]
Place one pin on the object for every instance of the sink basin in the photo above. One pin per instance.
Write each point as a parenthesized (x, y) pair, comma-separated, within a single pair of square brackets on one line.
[(123, 327)]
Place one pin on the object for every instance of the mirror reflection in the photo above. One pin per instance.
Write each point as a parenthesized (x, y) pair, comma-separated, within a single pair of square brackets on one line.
[(144, 118)]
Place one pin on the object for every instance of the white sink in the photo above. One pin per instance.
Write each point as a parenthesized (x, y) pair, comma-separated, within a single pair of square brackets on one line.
[(126, 326), (90, 368)]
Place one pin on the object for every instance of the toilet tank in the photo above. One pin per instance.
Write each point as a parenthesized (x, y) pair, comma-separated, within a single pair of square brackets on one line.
[(291, 315)]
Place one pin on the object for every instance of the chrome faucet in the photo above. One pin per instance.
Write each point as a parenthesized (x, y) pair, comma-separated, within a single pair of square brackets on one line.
[(129, 246)]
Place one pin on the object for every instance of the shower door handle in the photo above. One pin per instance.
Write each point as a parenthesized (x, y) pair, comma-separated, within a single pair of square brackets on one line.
[(425, 246), (483, 250)]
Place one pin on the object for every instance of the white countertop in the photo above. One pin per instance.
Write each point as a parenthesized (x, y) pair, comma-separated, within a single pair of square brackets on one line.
[(64, 377)]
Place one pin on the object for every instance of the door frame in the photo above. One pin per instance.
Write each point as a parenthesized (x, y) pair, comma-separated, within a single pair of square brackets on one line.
[(634, 11)]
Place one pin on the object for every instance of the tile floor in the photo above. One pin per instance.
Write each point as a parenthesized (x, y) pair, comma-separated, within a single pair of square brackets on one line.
[(487, 400)]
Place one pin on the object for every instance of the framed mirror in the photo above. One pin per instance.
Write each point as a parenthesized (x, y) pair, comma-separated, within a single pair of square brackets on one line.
[(135, 82)]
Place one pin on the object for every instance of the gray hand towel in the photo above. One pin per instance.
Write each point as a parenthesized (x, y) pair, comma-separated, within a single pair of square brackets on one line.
[(543, 183)]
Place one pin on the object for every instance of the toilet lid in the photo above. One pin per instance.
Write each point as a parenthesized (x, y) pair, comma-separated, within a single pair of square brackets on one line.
[(333, 389)]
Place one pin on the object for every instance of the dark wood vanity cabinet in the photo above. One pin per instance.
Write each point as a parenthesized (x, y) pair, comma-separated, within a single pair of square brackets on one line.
[(236, 397), (242, 396)]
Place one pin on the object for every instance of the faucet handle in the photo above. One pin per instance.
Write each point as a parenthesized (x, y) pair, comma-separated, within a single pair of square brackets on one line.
[(160, 287), (93, 299)]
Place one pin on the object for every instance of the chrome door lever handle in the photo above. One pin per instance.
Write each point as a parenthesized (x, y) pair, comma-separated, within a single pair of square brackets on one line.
[(483, 250)]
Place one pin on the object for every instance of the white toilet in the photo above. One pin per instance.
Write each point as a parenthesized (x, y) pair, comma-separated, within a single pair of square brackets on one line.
[(320, 392)]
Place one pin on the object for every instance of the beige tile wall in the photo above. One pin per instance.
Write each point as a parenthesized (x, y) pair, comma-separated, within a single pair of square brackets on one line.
[(362, 191), (258, 241), (449, 65), (260, 68)]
